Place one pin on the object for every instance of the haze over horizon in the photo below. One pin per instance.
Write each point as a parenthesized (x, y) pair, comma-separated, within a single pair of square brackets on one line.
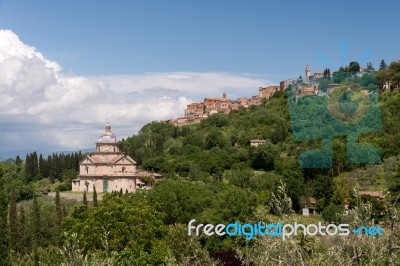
[(68, 68)]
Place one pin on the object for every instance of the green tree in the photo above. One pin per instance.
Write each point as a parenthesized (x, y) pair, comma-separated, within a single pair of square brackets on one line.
[(180, 200), (354, 67), (36, 223), (84, 201), (186, 249), (24, 243), (18, 160), (327, 73), (382, 65), (4, 243), (127, 225), (195, 173), (332, 213), (263, 156), (59, 214), (370, 67), (280, 203), (13, 222), (240, 177), (95, 202), (215, 139)]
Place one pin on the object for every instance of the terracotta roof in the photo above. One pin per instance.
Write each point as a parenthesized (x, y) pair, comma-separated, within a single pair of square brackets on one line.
[(312, 200), (375, 194), (217, 99), (117, 159), (308, 89), (109, 159)]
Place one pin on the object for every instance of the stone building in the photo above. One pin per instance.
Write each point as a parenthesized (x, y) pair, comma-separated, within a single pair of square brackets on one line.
[(257, 142), (218, 104), (108, 169), (267, 92)]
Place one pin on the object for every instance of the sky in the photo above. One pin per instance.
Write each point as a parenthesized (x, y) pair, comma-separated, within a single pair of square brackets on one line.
[(68, 67)]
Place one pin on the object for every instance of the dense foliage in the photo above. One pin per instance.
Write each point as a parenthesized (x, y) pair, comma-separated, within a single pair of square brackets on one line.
[(215, 176)]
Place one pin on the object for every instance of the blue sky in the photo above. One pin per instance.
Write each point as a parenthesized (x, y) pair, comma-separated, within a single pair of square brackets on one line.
[(68, 67), (271, 39)]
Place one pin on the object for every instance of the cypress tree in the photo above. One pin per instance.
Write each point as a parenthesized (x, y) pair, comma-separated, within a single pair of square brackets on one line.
[(23, 243), (35, 163), (13, 222), (18, 160), (95, 203), (36, 258), (126, 191), (85, 199), (28, 167), (382, 65), (120, 192), (36, 225), (4, 244), (59, 213), (78, 157)]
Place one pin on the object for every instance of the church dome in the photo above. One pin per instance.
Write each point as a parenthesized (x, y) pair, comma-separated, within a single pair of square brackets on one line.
[(108, 136)]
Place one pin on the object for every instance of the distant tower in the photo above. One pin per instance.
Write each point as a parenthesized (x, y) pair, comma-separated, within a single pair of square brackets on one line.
[(307, 71), (224, 95)]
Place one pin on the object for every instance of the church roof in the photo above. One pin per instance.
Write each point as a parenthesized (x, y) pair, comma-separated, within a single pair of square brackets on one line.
[(108, 136), (110, 159)]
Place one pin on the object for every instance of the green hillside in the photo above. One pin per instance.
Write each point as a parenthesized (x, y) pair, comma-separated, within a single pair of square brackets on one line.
[(219, 149)]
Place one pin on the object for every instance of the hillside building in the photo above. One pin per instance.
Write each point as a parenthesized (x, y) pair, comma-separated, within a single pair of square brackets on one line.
[(108, 169)]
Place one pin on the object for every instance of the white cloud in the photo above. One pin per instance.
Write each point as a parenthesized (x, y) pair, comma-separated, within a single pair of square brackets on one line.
[(41, 107)]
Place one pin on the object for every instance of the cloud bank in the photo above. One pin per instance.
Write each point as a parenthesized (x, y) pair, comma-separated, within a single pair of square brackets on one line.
[(43, 108)]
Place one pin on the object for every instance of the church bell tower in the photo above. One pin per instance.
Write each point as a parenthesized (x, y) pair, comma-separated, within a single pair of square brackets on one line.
[(307, 71)]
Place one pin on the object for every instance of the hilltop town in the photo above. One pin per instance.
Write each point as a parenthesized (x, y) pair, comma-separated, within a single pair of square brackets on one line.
[(195, 112), (318, 84)]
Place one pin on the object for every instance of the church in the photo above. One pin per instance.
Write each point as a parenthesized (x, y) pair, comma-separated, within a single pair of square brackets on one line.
[(108, 169)]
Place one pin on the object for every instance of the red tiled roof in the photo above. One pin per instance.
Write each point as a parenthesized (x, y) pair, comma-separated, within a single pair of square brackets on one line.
[(375, 194), (217, 99)]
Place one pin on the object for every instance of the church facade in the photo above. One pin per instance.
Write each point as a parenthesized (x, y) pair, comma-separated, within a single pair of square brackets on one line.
[(107, 169)]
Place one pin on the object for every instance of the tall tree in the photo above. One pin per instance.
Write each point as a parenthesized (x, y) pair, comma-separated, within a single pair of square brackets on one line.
[(13, 222), (85, 199), (23, 240), (370, 67), (29, 167), (35, 164), (4, 244), (382, 65), (327, 73), (36, 225), (59, 213), (95, 203), (18, 160)]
